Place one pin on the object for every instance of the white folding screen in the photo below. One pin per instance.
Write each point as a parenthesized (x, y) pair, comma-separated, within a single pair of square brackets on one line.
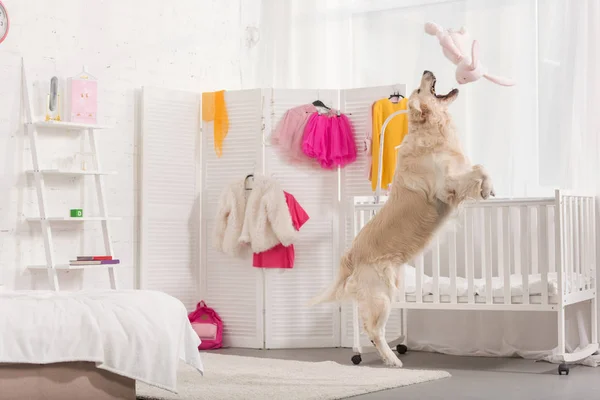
[(170, 161), (354, 182), (229, 285), (288, 321), (261, 308)]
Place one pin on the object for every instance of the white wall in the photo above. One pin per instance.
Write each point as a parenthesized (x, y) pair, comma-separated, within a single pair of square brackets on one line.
[(195, 45)]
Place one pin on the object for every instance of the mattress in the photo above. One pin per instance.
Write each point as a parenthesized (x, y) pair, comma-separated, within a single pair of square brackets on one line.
[(138, 334), (480, 285)]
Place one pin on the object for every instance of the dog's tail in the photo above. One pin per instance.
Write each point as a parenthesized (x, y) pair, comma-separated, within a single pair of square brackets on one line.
[(336, 291)]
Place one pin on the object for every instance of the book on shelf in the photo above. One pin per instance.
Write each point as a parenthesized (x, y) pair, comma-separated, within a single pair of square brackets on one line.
[(93, 258), (93, 262)]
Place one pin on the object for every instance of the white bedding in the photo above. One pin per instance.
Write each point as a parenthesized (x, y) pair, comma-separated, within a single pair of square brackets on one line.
[(138, 334), (480, 285)]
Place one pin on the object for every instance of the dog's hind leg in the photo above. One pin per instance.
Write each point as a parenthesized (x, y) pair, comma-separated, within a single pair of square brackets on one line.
[(375, 312)]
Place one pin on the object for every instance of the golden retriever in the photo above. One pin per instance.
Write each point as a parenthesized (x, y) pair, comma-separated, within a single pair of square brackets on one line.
[(433, 177)]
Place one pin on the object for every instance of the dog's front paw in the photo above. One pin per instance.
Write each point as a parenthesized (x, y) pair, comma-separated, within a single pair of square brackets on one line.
[(487, 188)]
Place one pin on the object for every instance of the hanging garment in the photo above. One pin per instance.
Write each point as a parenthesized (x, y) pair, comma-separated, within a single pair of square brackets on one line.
[(368, 143), (230, 220), (396, 129), (329, 139), (282, 256), (267, 221), (287, 136), (215, 109), (260, 222), (343, 144)]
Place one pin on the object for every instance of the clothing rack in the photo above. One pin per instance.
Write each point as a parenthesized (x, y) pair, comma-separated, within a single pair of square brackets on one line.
[(381, 143)]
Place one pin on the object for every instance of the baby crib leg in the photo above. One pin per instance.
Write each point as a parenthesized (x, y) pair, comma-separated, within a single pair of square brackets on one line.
[(402, 348), (594, 319), (563, 367), (356, 359), (402, 340)]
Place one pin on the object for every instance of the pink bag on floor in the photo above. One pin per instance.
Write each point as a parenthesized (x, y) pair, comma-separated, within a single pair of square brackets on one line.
[(208, 325)]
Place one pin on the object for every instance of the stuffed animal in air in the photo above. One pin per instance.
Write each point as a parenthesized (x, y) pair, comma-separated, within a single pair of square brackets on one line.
[(455, 46)]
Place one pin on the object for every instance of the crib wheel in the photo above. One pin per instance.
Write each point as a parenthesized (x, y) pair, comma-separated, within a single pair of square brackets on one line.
[(401, 349), (356, 359), (563, 368)]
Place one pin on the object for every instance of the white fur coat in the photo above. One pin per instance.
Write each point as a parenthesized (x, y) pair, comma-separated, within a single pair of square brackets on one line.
[(262, 221)]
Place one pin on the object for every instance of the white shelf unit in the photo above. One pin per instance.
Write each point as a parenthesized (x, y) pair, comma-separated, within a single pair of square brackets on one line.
[(33, 128)]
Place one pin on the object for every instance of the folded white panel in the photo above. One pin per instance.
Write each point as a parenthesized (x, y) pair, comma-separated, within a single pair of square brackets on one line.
[(170, 220), (230, 285), (289, 322), (354, 181)]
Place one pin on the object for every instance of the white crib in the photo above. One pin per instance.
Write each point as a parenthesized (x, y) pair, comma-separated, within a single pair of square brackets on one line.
[(532, 254)]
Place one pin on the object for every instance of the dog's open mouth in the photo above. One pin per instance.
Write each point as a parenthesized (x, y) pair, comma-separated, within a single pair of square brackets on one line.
[(441, 96)]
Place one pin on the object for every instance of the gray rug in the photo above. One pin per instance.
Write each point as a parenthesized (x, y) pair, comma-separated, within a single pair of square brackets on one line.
[(230, 377)]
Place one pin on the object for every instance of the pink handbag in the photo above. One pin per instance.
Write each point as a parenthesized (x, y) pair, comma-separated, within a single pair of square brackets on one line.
[(208, 325)]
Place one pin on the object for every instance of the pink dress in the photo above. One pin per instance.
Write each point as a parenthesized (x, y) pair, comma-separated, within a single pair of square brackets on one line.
[(288, 134), (281, 256), (329, 139)]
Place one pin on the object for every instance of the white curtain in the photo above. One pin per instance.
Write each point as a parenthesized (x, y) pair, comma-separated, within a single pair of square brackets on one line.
[(538, 135), (341, 44)]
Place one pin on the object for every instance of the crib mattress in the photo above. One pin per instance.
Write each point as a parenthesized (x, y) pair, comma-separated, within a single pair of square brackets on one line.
[(480, 288)]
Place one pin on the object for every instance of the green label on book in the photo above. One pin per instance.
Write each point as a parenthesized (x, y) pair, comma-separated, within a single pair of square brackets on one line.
[(76, 213)]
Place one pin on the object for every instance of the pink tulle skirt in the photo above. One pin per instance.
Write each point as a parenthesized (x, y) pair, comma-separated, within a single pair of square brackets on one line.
[(329, 139), (287, 135)]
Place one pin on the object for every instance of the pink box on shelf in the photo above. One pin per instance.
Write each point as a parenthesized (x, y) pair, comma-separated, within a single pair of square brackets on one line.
[(83, 99)]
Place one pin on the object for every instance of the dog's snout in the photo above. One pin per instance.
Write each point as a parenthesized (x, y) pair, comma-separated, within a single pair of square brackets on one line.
[(428, 76)]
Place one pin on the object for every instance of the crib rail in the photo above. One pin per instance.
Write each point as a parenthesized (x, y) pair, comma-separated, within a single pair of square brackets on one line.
[(537, 252)]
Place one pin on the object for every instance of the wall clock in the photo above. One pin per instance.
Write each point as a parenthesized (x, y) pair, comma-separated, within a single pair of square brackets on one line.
[(4, 22)]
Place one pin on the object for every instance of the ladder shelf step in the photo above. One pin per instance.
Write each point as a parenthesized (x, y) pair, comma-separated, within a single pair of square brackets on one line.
[(73, 267), (71, 126), (73, 219), (70, 173)]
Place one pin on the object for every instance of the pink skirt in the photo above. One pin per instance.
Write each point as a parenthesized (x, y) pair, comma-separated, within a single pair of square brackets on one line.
[(288, 134), (329, 139)]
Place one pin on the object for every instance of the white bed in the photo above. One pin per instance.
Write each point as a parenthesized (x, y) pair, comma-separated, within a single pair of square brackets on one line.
[(139, 335)]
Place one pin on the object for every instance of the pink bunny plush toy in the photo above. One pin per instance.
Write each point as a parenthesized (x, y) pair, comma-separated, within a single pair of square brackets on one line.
[(454, 45)]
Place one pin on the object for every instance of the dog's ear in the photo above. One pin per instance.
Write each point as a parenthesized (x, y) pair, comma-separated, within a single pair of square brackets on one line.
[(418, 111), (449, 99)]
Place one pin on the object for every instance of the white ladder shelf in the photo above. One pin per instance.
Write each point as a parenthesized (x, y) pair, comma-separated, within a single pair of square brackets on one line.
[(31, 128)]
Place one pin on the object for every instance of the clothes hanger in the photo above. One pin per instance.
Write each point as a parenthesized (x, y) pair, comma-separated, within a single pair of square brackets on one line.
[(319, 103), (395, 94), (246, 179)]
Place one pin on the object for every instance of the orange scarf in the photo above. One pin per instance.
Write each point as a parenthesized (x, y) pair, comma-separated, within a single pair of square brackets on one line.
[(214, 109)]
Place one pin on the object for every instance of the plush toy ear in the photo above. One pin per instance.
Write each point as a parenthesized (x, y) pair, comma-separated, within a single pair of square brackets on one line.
[(500, 80), (474, 55)]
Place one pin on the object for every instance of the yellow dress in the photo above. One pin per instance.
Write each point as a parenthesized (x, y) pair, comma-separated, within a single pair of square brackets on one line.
[(395, 131)]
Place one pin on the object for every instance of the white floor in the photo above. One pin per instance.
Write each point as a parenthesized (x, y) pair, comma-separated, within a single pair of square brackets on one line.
[(472, 377)]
